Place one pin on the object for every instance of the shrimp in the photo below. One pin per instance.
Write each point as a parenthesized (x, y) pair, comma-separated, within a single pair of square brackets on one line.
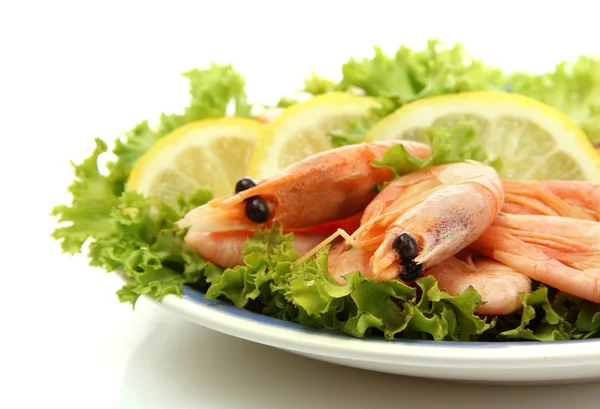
[(549, 231), (499, 286), (424, 217), (561, 252), (328, 186), (576, 199), (342, 261), (225, 249)]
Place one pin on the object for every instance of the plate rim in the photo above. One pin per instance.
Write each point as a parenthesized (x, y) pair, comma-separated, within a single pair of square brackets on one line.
[(241, 323)]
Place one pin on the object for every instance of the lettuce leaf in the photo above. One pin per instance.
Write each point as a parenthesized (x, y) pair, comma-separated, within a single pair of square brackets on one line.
[(318, 85), (211, 91), (94, 195), (549, 315), (269, 283), (573, 88), (128, 232), (134, 235), (409, 75), (356, 130), (539, 320), (147, 246), (448, 145)]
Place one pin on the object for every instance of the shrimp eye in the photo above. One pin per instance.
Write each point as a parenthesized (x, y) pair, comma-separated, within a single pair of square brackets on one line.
[(411, 271), (257, 209), (406, 247), (244, 184)]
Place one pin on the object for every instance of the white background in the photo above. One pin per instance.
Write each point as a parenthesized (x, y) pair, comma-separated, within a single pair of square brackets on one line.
[(71, 71)]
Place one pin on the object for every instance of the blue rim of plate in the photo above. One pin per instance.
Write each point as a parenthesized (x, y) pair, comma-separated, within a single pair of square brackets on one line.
[(504, 362), (196, 297)]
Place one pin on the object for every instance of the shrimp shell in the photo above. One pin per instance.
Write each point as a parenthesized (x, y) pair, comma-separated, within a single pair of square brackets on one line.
[(328, 186)]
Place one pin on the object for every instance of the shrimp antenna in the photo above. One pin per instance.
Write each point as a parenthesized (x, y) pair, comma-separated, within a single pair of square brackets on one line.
[(350, 239), (314, 250)]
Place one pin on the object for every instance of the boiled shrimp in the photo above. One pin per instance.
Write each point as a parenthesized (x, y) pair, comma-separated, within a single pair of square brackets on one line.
[(499, 286), (225, 249), (561, 252), (424, 217), (328, 186), (342, 261), (575, 199), (549, 231)]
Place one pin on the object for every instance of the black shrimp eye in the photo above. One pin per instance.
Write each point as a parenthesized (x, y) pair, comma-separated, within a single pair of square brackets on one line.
[(411, 271), (406, 247), (257, 209), (244, 184)]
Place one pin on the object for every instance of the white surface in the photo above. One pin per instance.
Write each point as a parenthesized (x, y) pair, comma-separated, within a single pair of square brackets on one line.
[(70, 71)]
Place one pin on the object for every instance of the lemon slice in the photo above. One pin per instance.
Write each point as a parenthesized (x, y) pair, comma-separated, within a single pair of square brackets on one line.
[(534, 140), (211, 153), (302, 130)]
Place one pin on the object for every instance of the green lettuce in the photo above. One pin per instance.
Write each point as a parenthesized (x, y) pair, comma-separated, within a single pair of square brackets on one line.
[(356, 130), (317, 85), (211, 91), (93, 198), (149, 249), (449, 144), (409, 75), (549, 315), (573, 88), (132, 234), (270, 283)]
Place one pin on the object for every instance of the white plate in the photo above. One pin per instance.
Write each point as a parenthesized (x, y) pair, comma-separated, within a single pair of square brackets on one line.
[(506, 362)]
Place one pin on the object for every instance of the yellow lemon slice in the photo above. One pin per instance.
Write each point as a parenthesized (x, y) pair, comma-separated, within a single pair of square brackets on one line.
[(534, 140), (303, 130), (211, 153)]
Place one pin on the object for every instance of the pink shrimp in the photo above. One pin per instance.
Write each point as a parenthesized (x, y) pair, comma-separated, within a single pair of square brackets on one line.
[(549, 231), (225, 249), (343, 260), (561, 252), (577, 199), (315, 196), (424, 217), (325, 187), (499, 286)]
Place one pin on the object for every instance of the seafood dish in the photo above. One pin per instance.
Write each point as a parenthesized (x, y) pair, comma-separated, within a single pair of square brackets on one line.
[(440, 199)]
